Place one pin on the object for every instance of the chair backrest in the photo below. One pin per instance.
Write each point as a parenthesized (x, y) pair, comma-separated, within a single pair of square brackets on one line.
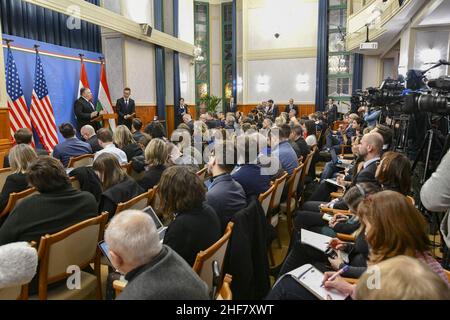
[(11, 293), (127, 168), (279, 187), (15, 198), (156, 201), (202, 173), (225, 291), (4, 173), (294, 180), (75, 183), (204, 259), (84, 160), (411, 200), (74, 246), (308, 161), (265, 199), (138, 203)]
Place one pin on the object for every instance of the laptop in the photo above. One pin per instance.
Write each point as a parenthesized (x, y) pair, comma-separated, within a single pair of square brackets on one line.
[(338, 162), (159, 225)]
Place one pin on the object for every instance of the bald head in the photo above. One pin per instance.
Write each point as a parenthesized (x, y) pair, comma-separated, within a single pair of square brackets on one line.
[(132, 239), (87, 132), (371, 145), (187, 118)]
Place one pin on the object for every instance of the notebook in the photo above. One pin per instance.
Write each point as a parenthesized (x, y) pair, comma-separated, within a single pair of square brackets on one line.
[(334, 182), (159, 225), (315, 240), (311, 279)]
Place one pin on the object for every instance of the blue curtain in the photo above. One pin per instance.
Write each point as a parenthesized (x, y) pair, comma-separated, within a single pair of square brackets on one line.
[(358, 62), (234, 49), (322, 56), (176, 65), (26, 20), (159, 63)]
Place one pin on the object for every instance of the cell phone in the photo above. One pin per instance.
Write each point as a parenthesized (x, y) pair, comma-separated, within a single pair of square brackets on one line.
[(105, 250)]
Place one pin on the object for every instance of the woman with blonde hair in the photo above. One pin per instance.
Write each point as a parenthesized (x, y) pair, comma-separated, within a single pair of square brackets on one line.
[(123, 139), (156, 156), (20, 157)]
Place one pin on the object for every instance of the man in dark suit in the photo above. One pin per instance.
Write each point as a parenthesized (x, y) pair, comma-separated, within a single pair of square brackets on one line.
[(331, 112), (85, 110), (126, 108), (273, 109), (232, 105), (88, 134), (291, 106)]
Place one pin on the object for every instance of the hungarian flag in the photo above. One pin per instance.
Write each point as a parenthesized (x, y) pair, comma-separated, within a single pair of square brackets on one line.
[(84, 82), (104, 98)]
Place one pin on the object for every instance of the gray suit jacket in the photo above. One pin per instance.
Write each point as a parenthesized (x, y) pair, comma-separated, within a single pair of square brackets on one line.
[(166, 277)]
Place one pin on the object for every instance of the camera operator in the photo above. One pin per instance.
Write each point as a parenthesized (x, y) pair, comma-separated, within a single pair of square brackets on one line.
[(435, 195)]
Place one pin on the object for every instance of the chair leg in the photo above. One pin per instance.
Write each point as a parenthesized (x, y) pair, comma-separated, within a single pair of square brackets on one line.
[(97, 270)]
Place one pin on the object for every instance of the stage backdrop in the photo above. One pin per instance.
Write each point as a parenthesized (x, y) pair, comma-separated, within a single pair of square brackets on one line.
[(62, 74)]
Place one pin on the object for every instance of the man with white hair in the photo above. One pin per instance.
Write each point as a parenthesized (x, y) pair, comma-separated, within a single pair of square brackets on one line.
[(153, 271), (187, 119), (88, 134)]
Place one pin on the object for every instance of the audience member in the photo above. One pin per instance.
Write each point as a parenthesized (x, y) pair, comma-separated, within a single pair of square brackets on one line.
[(136, 127), (123, 139), (71, 147), (23, 136), (394, 172), (88, 134), (156, 156), (282, 149), (105, 139)]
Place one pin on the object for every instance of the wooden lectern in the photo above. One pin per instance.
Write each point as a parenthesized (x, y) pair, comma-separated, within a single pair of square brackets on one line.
[(105, 119)]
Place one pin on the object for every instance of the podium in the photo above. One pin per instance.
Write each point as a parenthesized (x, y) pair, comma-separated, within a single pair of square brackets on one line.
[(105, 119)]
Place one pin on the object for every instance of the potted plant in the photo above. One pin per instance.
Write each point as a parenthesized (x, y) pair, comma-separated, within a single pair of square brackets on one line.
[(211, 102)]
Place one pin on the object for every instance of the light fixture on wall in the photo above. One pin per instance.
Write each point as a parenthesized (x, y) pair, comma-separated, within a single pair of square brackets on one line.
[(183, 82), (302, 83), (239, 84), (262, 83)]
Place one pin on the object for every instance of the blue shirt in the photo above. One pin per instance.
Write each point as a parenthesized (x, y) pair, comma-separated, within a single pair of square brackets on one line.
[(286, 155), (250, 178), (372, 118), (72, 147)]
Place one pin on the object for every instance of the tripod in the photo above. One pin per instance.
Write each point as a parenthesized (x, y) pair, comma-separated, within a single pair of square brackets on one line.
[(400, 134)]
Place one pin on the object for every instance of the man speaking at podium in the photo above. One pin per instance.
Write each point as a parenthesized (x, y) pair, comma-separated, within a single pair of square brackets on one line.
[(126, 108), (85, 110)]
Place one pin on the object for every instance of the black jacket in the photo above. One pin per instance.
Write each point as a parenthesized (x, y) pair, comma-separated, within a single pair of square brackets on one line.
[(151, 177), (288, 108), (123, 109), (15, 182), (88, 180), (83, 110), (303, 147), (246, 257), (192, 232), (132, 150), (47, 213), (121, 192), (93, 141)]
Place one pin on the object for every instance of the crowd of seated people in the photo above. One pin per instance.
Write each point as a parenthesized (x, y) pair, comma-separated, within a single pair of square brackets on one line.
[(371, 206)]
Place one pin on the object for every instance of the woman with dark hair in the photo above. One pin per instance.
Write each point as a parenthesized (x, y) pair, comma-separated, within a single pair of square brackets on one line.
[(116, 184), (310, 132), (394, 172), (156, 130), (57, 206), (196, 225)]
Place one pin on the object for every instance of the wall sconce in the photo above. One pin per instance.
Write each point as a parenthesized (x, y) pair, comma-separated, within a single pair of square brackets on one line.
[(302, 83), (262, 83), (183, 82)]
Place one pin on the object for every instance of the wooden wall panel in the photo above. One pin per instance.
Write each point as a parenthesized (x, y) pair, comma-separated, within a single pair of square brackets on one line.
[(170, 119), (304, 109), (4, 124), (146, 114)]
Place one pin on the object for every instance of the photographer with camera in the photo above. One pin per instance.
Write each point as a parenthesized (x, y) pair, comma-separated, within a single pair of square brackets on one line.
[(435, 195)]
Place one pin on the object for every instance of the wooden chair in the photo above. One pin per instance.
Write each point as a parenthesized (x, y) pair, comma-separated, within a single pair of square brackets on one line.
[(127, 168), (75, 183), (335, 211), (335, 195), (202, 174), (411, 199), (84, 160), (305, 171), (203, 261), (4, 173), (225, 291), (291, 202), (265, 198), (15, 198), (273, 217), (138, 203), (119, 285), (300, 160), (74, 246)]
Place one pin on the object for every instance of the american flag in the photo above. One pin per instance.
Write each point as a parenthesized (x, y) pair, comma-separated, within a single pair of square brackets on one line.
[(41, 110), (18, 111)]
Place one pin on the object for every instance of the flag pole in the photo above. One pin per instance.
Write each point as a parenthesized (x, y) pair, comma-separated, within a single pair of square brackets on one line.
[(8, 42), (81, 57), (36, 48)]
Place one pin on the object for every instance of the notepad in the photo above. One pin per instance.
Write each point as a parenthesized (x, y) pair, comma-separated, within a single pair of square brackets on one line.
[(334, 182), (315, 240), (311, 279)]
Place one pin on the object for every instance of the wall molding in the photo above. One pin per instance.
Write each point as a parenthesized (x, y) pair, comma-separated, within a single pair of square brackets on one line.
[(283, 53), (108, 19)]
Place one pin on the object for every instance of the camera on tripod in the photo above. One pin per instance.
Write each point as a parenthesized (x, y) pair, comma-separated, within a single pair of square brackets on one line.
[(433, 99)]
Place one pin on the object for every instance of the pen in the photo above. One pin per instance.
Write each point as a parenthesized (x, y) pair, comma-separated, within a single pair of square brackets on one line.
[(338, 273)]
